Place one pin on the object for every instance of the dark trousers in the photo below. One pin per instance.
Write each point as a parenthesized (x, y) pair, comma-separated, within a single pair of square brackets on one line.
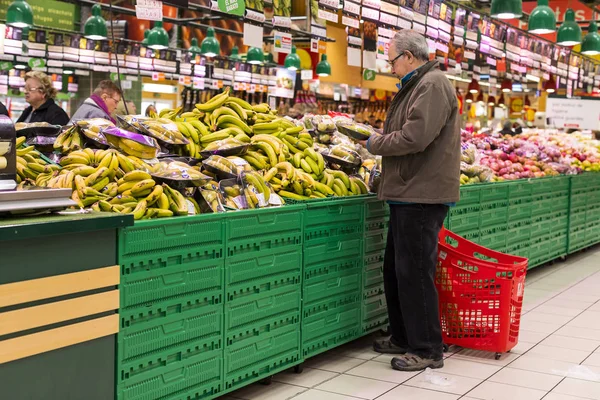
[(409, 277)]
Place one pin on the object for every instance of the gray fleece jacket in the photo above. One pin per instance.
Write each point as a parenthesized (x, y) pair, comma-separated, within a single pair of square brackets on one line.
[(89, 109)]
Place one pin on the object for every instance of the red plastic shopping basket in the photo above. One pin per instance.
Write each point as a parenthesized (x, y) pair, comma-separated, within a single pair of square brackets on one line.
[(480, 294)]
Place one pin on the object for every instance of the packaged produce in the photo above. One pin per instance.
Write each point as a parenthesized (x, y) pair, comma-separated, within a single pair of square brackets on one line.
[(36, 128), (323, 124), (225, 148), (256, 191), (354, 130), (178, 175), (162, 129), (232, 193), (131, 143), (92, 129), (221, 167), (342, 156)]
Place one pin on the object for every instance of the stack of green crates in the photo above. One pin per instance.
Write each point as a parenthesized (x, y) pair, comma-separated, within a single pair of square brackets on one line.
[(374, 310), (263, 275), (585, 212), (332, 282), (170, 342)]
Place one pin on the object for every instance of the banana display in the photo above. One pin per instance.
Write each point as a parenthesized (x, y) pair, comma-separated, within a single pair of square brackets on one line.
[(252, 159)]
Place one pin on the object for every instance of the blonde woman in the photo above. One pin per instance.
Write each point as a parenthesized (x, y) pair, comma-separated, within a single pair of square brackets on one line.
[(40, 94)]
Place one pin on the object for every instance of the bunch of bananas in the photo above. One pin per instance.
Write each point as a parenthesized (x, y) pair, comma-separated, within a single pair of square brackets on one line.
[(311, 162), (344, 185), (273, 148), (294, 183), (176, 170), (133, 147), (30, 163), (68, 141), (5, 148), (256, 190), (282, 8), (345, 154), (92, 128), (222, 164), (164, 129), (231, 195)]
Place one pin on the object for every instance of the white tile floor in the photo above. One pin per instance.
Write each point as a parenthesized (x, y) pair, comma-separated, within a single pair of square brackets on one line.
[(557, 358)]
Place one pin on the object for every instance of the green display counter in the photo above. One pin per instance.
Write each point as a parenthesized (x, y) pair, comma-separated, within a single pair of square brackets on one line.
[(212, 303), (59, 302)]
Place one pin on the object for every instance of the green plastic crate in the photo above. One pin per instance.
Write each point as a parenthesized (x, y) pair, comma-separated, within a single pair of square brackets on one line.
[(495, 241), (321, 250), (334, 218), (332, 280), (196, 322), (494, 192), (374, 313), (252, 232), (173, 274), (376, 225), (247, 316), (375, 242), (375, 208), (150, 240), (195, 374), (262, 355), (520, 234), (493, 215), (464, 218), (373, 274), (541, 207), (329, 326), (245, 274), (519, 189), (519, 210), (470, 195)]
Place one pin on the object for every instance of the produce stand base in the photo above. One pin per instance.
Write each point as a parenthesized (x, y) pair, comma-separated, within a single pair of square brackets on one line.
[(213, 303)]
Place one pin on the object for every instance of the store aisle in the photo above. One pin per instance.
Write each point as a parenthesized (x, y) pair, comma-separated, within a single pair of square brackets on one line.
[(557, 358)]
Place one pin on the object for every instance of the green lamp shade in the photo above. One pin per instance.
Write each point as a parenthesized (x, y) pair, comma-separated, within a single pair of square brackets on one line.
[(210, 45), (591, 42), (255, 56), (542, 19), (292, 61), (146, 33), (506, 9), (95, 26), (19, 14), (323, 67), (235, 53), (194, 51), (269, 60), (569, 33), (158, 39)]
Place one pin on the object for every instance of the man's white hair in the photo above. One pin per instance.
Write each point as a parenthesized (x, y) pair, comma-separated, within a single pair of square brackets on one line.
[(412, 41)]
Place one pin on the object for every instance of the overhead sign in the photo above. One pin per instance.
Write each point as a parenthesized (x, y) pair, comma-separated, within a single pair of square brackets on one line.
[(233, 7), (573, 113), (56, 14)]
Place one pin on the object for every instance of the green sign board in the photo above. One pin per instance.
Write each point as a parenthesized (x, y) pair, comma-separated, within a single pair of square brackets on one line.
[(49, 13), (233, 7), (36, 63), (6, 65), (369, 75)]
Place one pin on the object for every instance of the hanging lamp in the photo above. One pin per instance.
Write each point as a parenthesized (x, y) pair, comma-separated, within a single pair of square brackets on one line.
[(590, 46), (569, 33), (269, 62), (19, 14), (473, 86), (255, 56), (210, 45), (292, 61), (491, 100), (323, 67), (146, 33), (158, 39), (235, 53), (469, 98), (501, 101), (550, 85), (542, 19), (506, 85), (95, 26), (506, 9), (194, 51), (481, 98)]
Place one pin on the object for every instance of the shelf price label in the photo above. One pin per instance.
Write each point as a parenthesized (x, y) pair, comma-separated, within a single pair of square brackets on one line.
[(369, 75)]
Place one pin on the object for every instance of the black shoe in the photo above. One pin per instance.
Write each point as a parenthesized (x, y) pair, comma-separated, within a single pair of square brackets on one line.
[(412, 362), (387, 347)]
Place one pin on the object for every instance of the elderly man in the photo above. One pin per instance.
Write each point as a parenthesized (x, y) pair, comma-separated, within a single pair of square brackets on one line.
[(420, 146)]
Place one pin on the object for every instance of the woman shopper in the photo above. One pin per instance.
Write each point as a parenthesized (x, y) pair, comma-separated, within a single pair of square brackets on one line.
[(101, 104), (40, 94), (420, 149)]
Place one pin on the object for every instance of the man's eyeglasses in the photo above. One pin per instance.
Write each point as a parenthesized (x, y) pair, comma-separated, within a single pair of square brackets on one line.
[(395, 58)]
